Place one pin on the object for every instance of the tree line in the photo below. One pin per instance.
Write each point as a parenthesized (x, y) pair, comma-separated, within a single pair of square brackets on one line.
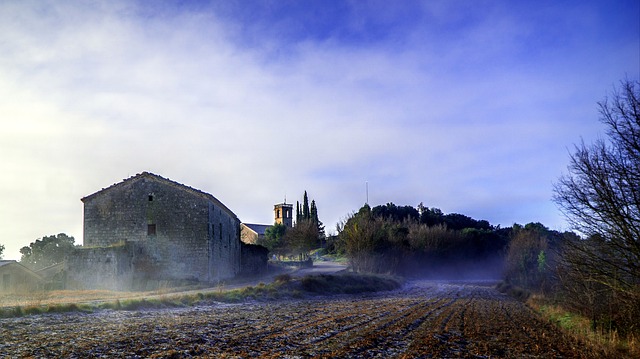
[(47, 251), (421, 241)]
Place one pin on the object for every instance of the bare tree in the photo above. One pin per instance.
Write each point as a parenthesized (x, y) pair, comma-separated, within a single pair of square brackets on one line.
[(600, 196)]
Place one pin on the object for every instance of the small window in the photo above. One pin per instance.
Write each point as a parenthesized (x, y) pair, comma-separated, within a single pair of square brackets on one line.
[(150, 198), (6, 281), (151, 229)]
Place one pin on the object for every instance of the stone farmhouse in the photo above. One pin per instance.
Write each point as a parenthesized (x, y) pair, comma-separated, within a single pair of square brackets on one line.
[(148, 229)]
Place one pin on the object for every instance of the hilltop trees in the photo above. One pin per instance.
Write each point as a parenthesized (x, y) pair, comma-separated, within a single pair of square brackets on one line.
[(364, 241), (405, 240), (396, 213), (600, 196), (47, 251), (1, 250)]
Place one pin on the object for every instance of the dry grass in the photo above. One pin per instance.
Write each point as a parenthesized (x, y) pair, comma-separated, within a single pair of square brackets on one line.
[(283, 286), (65, 296), (38, 302), (581, 329)]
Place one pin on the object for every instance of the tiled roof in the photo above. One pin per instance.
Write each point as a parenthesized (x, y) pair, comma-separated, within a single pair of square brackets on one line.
[(258, 228), (149, 175)]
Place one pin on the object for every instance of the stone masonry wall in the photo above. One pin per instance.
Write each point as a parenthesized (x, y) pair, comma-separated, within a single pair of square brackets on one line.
[(224, 245), (104, 268), (255, 259)]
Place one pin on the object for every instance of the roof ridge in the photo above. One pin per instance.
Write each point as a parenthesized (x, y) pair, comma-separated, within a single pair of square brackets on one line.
[(168, 181)]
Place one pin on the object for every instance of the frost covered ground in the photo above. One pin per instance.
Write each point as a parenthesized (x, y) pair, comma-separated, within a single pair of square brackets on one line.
[(424, 319)]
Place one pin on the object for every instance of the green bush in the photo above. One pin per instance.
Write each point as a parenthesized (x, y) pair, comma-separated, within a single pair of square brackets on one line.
[(348, 283), (282, 278), (32, 309), (518, 293)]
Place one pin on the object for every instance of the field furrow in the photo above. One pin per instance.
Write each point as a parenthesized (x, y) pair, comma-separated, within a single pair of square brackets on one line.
[(423, 320)]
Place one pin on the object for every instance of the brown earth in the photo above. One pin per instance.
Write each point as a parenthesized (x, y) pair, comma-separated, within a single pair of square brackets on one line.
[(423, 320)]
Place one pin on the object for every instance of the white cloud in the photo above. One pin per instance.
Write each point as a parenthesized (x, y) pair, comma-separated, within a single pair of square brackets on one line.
[(452, 115)]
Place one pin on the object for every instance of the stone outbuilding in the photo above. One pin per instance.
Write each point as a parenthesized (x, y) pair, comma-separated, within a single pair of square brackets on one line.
[(251, 233), (148, 227), (16, 278)]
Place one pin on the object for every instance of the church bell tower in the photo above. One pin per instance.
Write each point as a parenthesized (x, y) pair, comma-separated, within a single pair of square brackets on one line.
[(283, 214)]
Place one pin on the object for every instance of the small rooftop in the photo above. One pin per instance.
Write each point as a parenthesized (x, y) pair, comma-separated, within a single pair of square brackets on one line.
[(5, 262), (258, 228)]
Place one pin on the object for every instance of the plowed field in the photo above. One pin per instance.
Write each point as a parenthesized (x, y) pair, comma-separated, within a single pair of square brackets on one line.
[(423, 320)]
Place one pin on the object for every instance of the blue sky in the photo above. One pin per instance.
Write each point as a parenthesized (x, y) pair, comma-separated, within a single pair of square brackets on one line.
[(468, 106)]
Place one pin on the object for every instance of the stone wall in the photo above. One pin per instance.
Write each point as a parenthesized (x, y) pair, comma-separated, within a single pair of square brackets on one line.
[(224, 244), (254, 259), (100, 268)]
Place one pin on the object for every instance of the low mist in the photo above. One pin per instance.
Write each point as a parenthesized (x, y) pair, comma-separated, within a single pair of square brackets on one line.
[(461, 269)]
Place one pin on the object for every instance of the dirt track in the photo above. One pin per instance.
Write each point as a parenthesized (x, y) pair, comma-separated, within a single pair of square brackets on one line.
[(425, 319)]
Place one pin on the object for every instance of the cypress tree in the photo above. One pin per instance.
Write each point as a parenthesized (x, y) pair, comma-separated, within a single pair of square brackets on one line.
[(313, 214), (316, 220), (305, 207)]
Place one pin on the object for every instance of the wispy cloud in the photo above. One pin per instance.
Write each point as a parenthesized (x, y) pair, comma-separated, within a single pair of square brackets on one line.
[(469, 108)]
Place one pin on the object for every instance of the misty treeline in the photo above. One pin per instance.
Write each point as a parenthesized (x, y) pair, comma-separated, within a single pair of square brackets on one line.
[(306, 234), (421, 241), (47, 251)]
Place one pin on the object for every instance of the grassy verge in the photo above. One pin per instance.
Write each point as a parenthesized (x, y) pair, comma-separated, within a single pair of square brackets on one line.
[(577, 326), (580, 327), (336, 258), (284, 286)]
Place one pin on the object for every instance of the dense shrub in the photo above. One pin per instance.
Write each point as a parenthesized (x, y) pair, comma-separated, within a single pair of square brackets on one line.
[(384, 244)]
